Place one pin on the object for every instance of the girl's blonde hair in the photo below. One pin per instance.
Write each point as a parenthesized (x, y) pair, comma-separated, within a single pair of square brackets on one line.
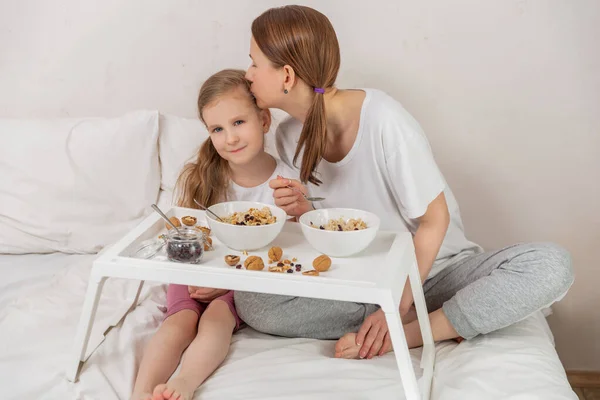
[(206, 179), (304, 39)]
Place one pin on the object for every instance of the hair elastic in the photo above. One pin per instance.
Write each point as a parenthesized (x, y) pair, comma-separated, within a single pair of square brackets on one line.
[(319, 90)]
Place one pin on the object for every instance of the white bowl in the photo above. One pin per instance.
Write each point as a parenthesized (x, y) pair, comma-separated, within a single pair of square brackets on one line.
[(338, 243), (240, 237)]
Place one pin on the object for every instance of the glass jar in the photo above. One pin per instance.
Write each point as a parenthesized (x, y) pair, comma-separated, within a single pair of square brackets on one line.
[(185, 247)]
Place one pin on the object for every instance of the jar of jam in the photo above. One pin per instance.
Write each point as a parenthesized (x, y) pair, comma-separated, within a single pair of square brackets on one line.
[(185, 246)]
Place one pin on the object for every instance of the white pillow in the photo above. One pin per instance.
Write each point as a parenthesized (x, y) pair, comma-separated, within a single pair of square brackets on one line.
[(75, 185)]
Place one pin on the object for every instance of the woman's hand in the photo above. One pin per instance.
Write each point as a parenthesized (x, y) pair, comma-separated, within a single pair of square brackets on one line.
[(205, 294), (373, 336), (290, 200)]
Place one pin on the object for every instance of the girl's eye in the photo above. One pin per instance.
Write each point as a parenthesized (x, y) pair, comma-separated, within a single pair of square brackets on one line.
[(238, 122), (217, 130)]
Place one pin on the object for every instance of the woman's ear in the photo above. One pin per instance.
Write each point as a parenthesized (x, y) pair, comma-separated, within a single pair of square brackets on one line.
[(289, 77), (265, 119)]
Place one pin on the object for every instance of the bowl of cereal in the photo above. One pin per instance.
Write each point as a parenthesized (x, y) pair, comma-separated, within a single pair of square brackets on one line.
[(246, 225), (339, 232)]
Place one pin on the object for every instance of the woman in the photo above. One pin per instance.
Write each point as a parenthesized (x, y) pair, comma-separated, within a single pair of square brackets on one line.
[(362, 149)]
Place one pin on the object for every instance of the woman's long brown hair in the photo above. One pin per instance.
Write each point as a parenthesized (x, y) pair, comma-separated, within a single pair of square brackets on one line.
[(206, 179), (304, 39)]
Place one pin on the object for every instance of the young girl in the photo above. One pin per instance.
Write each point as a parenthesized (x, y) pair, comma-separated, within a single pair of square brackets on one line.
[(362, 149), (231, 165)]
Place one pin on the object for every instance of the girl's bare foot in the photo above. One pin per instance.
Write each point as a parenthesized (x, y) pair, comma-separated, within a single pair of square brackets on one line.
[(176, 389)]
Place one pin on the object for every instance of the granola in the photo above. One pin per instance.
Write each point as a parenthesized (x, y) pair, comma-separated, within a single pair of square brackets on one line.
[(341, 224), (252, 217)]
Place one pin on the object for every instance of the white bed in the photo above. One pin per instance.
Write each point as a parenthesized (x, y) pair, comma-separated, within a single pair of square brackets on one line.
[(41, 297)]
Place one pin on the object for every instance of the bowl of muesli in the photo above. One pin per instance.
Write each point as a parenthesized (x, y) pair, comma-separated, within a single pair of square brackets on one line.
[(339, 232), (245, 225)]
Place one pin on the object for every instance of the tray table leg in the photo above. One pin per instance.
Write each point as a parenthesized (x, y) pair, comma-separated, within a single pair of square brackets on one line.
[(137, 296), (428, 356), (86, 321), (407, 373)]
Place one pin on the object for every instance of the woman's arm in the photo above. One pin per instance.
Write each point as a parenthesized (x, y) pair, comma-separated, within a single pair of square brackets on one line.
[(427, 240)]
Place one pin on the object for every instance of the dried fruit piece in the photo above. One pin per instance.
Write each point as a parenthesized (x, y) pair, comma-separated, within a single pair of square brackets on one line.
[(289, 271), (254, 263), (312, 272), (322, 263), (175, 221), (239, 266), (188, 220), (286, 261), (232, 260), (275, 253), (294, 259)]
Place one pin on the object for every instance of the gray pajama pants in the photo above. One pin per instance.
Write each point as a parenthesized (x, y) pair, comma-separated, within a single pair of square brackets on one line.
[(479, 293)]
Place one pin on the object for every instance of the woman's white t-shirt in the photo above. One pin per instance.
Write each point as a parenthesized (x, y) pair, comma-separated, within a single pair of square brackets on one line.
[(390, 171), (261, 193)]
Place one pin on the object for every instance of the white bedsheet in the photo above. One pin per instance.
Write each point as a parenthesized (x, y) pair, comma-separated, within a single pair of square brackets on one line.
[(40, 302)]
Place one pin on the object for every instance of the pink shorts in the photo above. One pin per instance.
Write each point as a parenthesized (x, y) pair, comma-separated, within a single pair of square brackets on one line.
[(178, 298)]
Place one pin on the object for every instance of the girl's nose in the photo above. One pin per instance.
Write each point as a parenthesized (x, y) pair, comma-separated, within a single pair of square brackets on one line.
[(232, 139), (248, 75)]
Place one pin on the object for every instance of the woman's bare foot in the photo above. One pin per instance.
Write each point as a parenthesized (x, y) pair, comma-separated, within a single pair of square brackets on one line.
[(346, 347), (176, 389)]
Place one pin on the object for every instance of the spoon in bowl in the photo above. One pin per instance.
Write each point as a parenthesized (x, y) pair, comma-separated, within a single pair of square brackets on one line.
[(307, 198), (206, 209)]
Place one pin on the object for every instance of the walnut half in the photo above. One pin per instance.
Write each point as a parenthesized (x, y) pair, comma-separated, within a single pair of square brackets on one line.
[(232, 260)]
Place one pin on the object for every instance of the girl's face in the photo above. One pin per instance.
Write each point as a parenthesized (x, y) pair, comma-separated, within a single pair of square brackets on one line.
[(236, 127), (267, 81)]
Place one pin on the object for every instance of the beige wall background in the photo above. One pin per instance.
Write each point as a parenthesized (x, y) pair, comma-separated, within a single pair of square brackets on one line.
[(507, 91)]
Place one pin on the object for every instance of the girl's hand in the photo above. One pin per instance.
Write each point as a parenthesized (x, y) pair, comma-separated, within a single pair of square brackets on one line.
[(205, 294), (292, 202)]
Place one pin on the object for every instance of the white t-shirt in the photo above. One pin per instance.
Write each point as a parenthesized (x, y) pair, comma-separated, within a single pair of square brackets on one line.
[(390, 171), (261, 193)]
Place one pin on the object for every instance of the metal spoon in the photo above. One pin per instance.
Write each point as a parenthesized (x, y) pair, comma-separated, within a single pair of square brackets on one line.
[(305, 196), (167, 220), (206, 209)]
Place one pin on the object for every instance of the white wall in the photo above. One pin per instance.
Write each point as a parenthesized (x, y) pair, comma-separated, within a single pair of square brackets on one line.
[(507, 91)]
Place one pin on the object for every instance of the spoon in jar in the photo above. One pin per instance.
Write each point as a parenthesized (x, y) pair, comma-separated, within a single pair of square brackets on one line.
[(167, 220)]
